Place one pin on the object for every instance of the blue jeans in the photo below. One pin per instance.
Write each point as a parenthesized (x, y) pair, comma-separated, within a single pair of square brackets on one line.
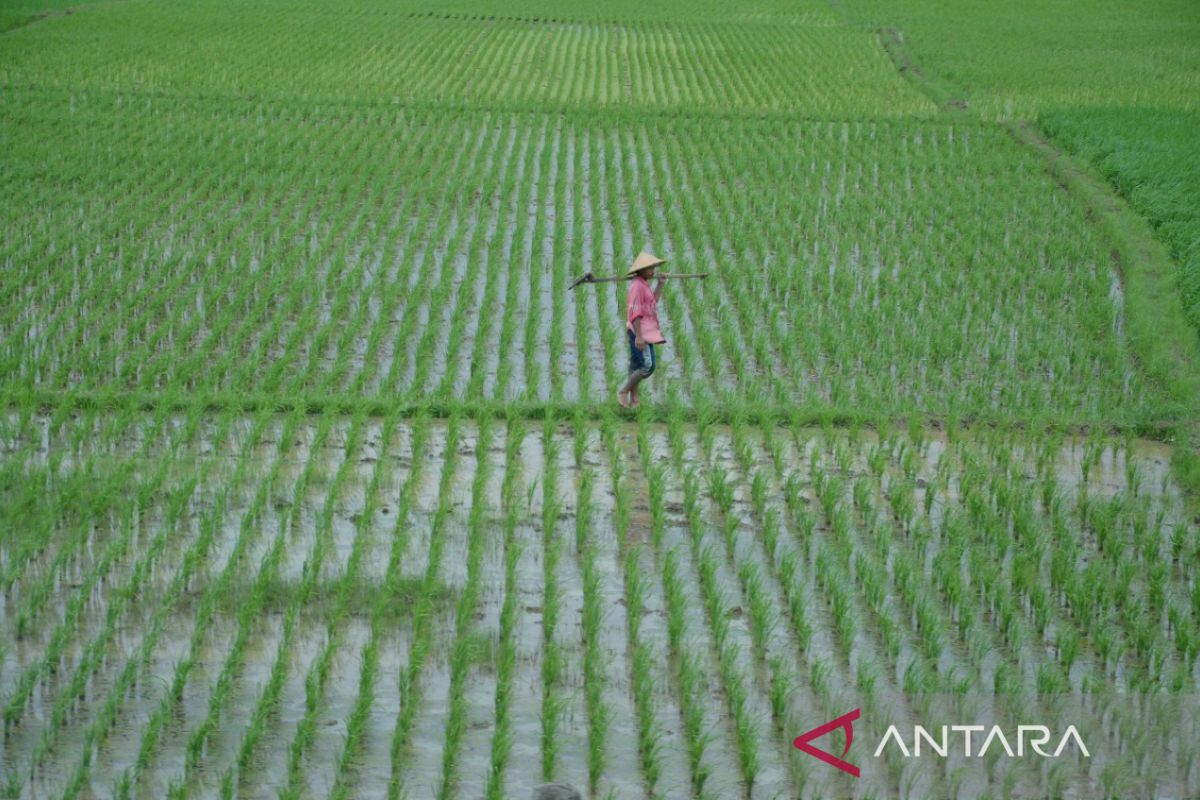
[(641, 362)]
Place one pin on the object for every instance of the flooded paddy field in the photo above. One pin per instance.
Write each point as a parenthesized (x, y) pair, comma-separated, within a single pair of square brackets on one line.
[(221, 605), (836, 276)]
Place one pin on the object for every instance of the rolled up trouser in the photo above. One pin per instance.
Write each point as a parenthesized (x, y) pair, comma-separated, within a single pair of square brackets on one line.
[(641, 362)]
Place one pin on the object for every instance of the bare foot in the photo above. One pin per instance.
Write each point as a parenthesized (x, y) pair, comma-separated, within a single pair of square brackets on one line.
[(623, 399), (633, 398)]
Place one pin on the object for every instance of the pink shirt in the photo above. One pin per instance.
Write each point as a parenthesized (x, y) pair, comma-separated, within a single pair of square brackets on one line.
[(642, 303)]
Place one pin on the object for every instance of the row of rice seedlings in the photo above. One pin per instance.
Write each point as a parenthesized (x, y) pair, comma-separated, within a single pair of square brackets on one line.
[(739, 691), (346, 772), (553, 701), (719, 356), (172, 698), (542, 179), (208, 608), (594, 677), (424, 617), (23, 470), (693, 676), (1026, 552), (908, 578), (430, 294), (575, 246), (992, 525), (196, 749), (768, 167), (461, 268), (465, 651), (194, 327), (107, 495), (16, 703), (520, 254), (282, 286), (602, 196), (102, 722), (354, 314), (326, 272), (385, 294), (347, 586), (275, 291), (1120, 531), (1129, 531), (297, 289), (560, 209), (318, 673), (106, 719), (437, 294), (234, 777), (506, 657), (838, 566), (696, 201), (931, 585), (615, 239), (25, 509), (473, 287), (1000, 503), (67, 330), (641, 656), (153, 358), (311, 324), (869, 677), (835, 562), (905, 574), (120, 600), (891, 570), (784, 602), (427, 232), (495, 250)]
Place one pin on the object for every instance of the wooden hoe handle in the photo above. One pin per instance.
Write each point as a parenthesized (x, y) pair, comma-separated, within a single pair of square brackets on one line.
[(590, 278)]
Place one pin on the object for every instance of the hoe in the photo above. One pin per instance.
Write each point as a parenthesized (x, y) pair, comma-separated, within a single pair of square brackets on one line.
[(590, 278)]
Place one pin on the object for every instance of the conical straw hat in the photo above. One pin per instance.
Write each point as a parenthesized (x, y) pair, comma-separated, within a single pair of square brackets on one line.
[(642, 261)]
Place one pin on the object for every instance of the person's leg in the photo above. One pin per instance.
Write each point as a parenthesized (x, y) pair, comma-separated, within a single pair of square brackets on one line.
[(627, 392), (637, 372), (645, 372)]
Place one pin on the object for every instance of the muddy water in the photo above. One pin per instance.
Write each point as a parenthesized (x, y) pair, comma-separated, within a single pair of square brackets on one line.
[(932, 464)]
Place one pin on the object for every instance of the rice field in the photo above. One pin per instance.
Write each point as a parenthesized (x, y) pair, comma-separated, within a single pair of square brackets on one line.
[(312, 482), (428, 607), (282, 274)]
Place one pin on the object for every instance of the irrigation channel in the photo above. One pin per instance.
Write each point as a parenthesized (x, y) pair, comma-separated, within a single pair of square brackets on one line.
[(352, 606)]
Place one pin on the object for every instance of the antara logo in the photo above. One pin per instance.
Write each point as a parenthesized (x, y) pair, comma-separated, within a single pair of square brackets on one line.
[(844, 721), (1035, 736), (1038, 736)]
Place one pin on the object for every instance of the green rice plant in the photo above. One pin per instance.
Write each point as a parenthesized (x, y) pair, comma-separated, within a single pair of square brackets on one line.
[(105, 720), (552, 704), (173, 698), (92, 654), (423, 614), (506, 661)]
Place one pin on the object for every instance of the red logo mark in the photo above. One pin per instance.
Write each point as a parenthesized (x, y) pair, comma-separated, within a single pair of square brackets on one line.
[(844, 721)]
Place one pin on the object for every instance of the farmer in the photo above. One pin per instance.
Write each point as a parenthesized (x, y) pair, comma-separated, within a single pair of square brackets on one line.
[(641, 325)]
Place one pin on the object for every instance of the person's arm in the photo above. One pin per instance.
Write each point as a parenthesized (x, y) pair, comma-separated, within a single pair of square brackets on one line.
[(662, 280), (638, 341)]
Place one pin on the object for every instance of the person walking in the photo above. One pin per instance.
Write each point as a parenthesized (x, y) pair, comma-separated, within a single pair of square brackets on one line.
[(641, 325)]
